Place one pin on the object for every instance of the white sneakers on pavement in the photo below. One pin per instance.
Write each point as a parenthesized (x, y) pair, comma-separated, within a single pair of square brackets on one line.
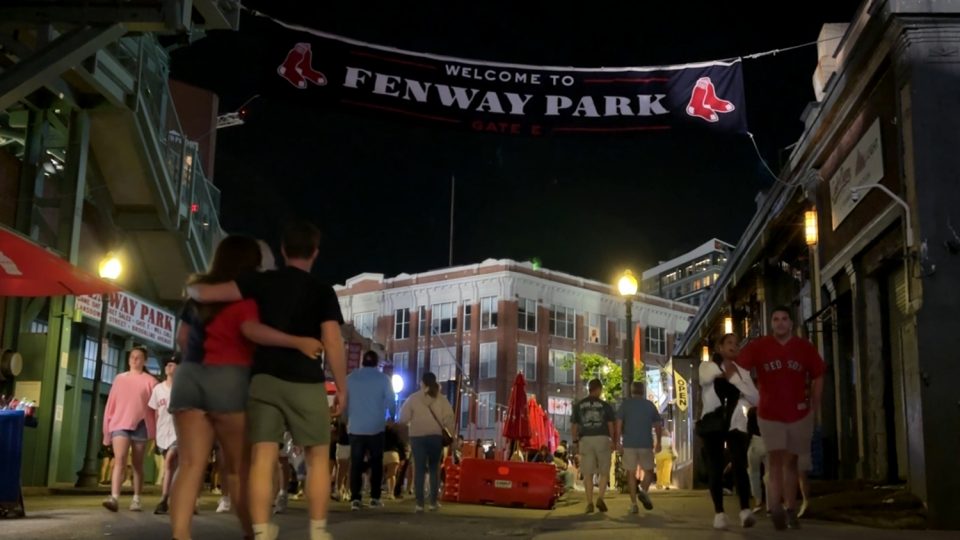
[(280, 504), (747, 519), (223, 507), (720, 521), (135, 505)]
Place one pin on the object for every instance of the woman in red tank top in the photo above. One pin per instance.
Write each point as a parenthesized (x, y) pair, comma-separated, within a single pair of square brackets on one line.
[(210, 390)]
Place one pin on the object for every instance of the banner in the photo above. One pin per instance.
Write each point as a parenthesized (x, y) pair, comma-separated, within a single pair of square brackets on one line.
[(136, 317), (682, 396), (510, 98)]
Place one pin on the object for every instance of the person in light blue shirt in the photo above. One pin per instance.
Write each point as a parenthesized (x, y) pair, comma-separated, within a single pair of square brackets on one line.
[(637, 419), (370, 401)]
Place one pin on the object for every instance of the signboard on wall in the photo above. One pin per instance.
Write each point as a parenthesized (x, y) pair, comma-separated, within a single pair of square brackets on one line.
[(864, 165), (560, 406), (134, 316), (682, 395)]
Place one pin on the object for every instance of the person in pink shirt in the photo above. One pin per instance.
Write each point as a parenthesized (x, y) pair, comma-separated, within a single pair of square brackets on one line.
[(129, 422)]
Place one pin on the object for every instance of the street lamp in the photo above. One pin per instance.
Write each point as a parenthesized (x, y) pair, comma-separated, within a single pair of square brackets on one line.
[(110, 269), (810, 227), (396, 380), (627, 285)]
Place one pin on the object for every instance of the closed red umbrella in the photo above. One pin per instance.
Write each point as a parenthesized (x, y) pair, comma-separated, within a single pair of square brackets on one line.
[(26, 269), (516, 425)]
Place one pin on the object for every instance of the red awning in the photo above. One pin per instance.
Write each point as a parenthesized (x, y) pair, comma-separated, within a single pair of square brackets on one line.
[(27, 269)]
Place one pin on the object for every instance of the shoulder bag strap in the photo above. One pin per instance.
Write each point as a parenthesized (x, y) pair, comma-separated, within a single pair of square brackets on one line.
[(430, 408)]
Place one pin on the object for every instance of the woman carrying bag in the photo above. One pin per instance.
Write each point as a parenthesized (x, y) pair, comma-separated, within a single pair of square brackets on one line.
[(431, 421), (727, 393)]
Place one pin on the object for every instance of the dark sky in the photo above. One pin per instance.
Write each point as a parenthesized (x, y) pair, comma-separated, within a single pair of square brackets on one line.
[(590, 205)]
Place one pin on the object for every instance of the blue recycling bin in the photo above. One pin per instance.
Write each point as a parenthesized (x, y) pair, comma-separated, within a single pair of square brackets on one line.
[(11, 456)]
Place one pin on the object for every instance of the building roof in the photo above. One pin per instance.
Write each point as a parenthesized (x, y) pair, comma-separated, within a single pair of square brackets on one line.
[(704, 249), (355, 285)]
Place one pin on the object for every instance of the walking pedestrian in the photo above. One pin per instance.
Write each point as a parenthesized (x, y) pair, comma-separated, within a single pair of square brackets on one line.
[(128, 423), (727, 393), (393, 455), (209, 395), (790, 375), (637, 420), (428, 414), (592, 427), (756, 461), (166, 433), (287, 389), (370, 402)]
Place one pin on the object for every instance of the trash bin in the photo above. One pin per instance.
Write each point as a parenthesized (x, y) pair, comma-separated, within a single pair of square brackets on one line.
[(11, 456)]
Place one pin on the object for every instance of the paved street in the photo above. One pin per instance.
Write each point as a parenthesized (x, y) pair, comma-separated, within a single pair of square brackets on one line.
[(685, 515)]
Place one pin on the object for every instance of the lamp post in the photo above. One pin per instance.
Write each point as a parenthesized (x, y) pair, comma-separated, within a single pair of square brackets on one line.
[(627, 286), (89, 476)]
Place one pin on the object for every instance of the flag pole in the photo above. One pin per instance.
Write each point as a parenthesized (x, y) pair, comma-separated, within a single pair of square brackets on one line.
[(453, 187)]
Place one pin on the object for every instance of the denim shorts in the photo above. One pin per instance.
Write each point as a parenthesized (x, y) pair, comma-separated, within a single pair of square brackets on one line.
[(213, 389), (137, 435)]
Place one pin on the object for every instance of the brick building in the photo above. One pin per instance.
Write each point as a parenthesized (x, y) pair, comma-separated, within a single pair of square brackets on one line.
[(498, 318)]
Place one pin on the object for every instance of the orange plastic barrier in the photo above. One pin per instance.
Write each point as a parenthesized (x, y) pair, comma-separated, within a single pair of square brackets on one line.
[(506, 483)]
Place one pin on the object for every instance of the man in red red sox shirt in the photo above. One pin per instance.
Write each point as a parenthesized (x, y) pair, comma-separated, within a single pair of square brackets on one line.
[(787, 412)]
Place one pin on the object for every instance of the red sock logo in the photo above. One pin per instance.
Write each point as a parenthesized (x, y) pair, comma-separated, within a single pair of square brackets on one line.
[(704, 102), (297, 67), (305, 67)]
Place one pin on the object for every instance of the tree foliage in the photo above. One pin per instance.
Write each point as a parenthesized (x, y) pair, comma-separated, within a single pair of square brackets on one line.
[(597, 366)]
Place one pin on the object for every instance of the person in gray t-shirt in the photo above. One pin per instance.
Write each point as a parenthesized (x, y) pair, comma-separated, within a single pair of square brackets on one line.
[(636, 420)]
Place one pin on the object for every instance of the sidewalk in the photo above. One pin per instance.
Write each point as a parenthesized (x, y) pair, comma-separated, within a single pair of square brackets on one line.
[(677, 515)]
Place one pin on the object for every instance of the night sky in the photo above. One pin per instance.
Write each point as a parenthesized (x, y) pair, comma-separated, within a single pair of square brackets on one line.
[(590, 205)]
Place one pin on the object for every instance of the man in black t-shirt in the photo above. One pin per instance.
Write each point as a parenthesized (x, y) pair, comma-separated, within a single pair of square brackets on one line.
[(287, 391)]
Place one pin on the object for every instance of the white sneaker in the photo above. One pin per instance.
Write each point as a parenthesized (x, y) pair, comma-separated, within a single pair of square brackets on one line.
[(418, 509), (434, 507), (224, 505), (272, 533), (135, 505), (280, 504), (375, 503), (746, 518), (720, 521)]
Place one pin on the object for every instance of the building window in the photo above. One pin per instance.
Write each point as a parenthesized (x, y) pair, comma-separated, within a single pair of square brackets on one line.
[(401, 364), (597, 333), (707, 280), (697, 285), (655, 340), (560, 409), (486, 409), (419, 368), (465, 360), (422, 317), (153, 366), (443, 318), (444, 363), (563, 322), (401, 324), (488, 312), (527, 310), (527, 361), (39, 327), (363, 323), (111, 361), (488, 360), (467, 316), (559, 373)]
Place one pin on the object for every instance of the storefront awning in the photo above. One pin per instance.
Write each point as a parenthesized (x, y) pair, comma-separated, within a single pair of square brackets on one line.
[(27, 269)]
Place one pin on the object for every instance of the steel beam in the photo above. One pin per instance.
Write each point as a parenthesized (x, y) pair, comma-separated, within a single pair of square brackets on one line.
[(48, 63)]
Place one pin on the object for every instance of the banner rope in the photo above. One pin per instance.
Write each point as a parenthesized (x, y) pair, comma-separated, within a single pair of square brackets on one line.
[(351, 41)]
